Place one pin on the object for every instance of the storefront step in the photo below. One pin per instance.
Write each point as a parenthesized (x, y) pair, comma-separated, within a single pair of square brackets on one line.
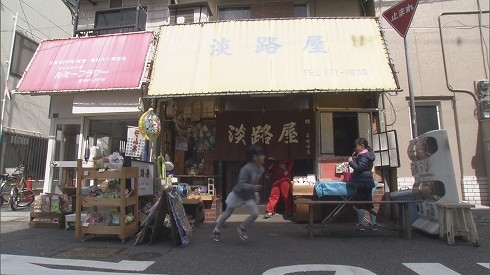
[(244, 210)]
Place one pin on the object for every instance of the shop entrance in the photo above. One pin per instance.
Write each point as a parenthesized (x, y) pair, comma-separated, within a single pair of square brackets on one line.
[(110, 135), (66, 154), (339, 130), (346, 131)]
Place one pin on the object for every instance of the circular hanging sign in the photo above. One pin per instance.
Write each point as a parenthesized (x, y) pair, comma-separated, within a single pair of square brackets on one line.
[(149, 125)]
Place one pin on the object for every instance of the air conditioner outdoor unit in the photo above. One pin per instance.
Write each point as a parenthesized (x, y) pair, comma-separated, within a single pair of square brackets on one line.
[(483, 93), (483, 88)]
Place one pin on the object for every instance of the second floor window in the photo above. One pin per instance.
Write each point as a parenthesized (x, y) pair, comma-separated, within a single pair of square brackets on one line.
[(300, 10), (24, 49), (115, 4), (120, 18), (427, 118), (234, 13)]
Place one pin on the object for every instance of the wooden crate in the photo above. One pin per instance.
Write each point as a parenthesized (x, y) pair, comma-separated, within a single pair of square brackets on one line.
[(301, 212), (57, 218)]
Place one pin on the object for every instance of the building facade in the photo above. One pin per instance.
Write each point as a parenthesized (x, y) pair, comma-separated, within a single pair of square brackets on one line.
[(459, 43), (25, 121), (77, 118), (369, 112)]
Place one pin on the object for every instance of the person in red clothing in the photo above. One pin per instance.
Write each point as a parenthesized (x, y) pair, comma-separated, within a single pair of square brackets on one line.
[(279, 171)]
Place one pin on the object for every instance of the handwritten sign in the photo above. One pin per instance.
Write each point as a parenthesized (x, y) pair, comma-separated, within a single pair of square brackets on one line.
[(135, 144), (146, 171)]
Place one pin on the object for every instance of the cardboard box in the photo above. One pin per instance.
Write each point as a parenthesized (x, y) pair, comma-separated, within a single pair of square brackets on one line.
[(192, 200), (207, 197), (303, 190), (301, 213)]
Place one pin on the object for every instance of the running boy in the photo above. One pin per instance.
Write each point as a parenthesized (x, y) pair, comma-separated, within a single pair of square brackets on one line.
[(244, 193)]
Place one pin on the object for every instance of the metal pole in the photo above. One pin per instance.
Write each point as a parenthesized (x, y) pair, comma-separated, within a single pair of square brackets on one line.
[(413, 113), (76, 18), (138, 10), (8, 71)]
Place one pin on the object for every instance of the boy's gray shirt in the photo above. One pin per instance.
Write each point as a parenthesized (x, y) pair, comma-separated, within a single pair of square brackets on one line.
[(248, 177)]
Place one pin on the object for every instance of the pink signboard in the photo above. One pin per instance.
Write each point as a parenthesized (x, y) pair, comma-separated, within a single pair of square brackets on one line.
[(92, 63)]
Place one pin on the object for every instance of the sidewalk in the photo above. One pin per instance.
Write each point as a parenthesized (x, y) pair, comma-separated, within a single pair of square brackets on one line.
[(11, 221)]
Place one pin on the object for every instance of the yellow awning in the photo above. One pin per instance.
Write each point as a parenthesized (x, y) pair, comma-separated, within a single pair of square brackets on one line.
[(275, 55)]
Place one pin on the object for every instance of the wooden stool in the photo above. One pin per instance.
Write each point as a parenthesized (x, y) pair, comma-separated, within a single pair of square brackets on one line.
[(194, 208), (456, 220)]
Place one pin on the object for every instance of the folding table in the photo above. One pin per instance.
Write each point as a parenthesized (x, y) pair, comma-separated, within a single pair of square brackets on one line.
[(345, 190)]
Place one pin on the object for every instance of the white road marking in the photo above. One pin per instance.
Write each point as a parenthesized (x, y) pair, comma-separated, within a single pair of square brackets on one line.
[(430, 269), (485, 265), (339, 269), (16, 264)]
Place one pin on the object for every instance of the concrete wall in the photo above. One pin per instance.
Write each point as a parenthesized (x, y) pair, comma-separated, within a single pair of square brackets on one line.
[(62, 106), (37, 20), (466, 64)]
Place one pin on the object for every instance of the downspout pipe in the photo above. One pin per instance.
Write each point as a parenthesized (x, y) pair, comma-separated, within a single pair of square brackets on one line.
[(454, 90), (75, 18), (473, 95)]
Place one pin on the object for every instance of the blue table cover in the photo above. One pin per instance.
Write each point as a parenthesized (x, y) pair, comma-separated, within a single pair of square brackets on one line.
[(337, 188)]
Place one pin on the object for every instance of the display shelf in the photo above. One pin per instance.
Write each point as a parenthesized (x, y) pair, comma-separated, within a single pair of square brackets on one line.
[(128, 230), (123, 230), (108, 202), (197, 176), (93, 173)]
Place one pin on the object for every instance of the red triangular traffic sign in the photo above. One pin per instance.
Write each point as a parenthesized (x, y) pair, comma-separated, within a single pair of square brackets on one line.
[(400, 15)]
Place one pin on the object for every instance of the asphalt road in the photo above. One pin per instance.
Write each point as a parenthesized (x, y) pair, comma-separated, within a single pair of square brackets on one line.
[(273, 243)]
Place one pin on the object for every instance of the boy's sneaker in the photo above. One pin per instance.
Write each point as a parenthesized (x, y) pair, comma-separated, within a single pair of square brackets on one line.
[(360, 227), (216, 238), (267, 215), (374, 227), (242, 233)]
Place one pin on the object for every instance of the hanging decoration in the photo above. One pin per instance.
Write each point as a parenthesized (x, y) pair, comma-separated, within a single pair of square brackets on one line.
[(149, 124)]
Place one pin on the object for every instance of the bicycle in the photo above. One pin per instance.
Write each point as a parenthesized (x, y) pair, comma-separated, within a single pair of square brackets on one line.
[(15, 186), (8, 182)]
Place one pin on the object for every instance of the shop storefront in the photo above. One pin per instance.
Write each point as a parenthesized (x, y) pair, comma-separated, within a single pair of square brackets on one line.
[(96, 86), (304, 89)]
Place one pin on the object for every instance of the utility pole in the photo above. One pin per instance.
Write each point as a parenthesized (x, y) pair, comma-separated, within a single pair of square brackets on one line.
[(413, 113), (8, 72), (400, 17)]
